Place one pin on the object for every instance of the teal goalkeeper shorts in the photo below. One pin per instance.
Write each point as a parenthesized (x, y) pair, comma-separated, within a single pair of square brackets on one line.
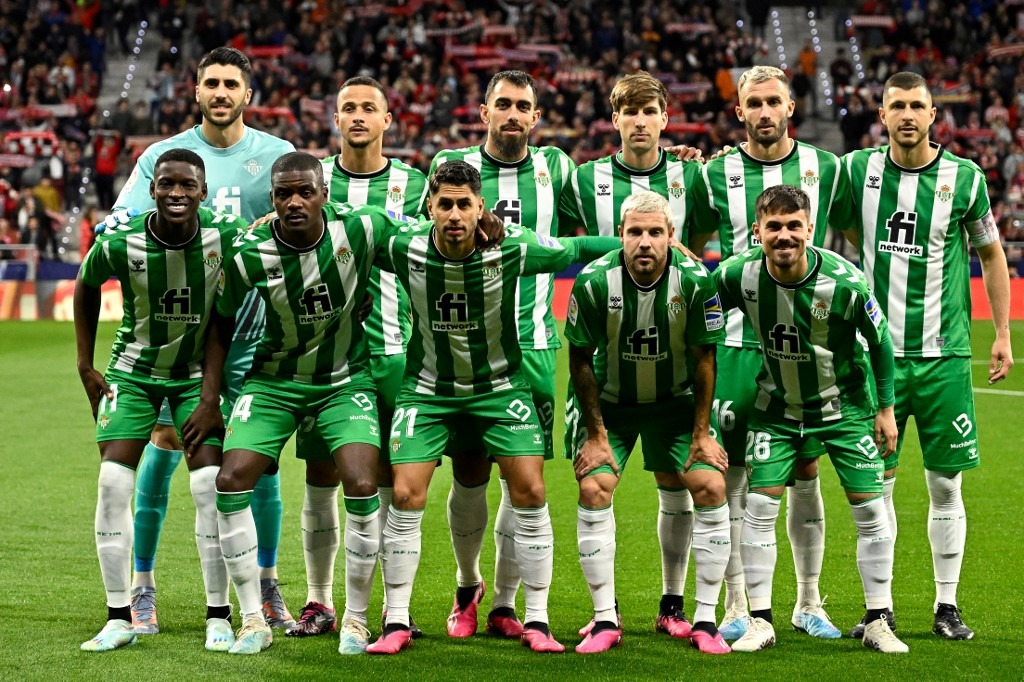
[(132, 413)]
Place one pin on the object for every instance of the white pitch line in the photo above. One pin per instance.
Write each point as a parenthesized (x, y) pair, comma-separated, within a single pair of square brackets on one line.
[(996, 391)]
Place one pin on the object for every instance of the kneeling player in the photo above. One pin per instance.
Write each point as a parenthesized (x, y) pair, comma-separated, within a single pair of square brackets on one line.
[(807, 306), (653, 317)]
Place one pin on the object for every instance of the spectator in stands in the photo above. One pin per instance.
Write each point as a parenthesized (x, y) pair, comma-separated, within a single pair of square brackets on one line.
[(107, 148)]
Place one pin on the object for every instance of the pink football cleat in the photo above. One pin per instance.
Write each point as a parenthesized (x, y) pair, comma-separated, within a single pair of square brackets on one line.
[(390, 643), (708, 644), (462, 622), (540, 642), (602, 641)]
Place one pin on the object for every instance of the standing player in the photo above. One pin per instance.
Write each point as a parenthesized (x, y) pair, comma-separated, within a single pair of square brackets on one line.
[(238, 160), (916, 206), (593, 199), (521, 185), (653, 317), (464, 370), (168, 263), (807, 306), (732, 184), (360, 175)]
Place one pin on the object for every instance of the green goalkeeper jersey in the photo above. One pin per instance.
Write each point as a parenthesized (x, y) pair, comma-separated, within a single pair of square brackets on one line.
[(593, 199), (313, 335), (814, 368), (914, 227), (643, 334), (524, 193), (167, 291), (401, 189), (730, 187), (464, 339)]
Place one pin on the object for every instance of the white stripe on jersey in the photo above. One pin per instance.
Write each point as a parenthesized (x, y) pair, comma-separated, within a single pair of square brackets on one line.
[(906, 200), (270, 257), (613, 324), (941, 213), (546, 199), (493, 291), (788, 370), (736, 197), (135, 249), (808, 162), (825, 291), (391, 328), (646, 376), (176, 271), (869, 219), (546, 207), (677, 328), (604, 202), (674, 173), (358, 191), (426, 382), (750, 281), (474, 159)]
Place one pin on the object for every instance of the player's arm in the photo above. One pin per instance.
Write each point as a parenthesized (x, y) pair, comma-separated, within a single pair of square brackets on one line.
[(207, 419), (871, 323), (842, 213), (87, 303), (703, 447), (705, 219), (596, 451), (546, 254), (996, 276), (570, 208)]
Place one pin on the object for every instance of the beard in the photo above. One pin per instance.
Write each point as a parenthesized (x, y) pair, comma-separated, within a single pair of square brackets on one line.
[(770, 138), (207, 111), (511, 148)]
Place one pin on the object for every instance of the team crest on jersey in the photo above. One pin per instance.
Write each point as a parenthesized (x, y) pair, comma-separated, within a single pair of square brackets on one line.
[(138, 265), (396, 195), (342, 255), (819, 310), (809, 178), (542, 179), (212, 260), (492, 271), (103, 421), (676, 189), (944, 193), (675, 306), (714, 316), (253, 167), (574, 310)]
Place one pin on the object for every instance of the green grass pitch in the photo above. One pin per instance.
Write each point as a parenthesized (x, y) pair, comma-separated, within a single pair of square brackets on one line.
[(51, 596)]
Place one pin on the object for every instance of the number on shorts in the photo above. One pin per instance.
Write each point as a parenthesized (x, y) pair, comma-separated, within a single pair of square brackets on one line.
[(726, 417), (113, 401), (962, 424), (761, 443), (518, 409), (410, 425), (363, 401), (242, 408), (868, 447)]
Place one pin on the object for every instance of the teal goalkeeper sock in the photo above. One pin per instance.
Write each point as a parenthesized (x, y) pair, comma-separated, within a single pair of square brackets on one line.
[(267, 510), (152, 488)]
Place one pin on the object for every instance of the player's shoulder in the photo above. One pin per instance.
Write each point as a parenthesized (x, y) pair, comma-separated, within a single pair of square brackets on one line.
[(549, 152), (863, 155), (690, 268), (186, 139), (209, 218), (459, 154), (838, 268), (340, 210), (124, 230), (598, 269), (967, 164), (268, 143), (412, 171), (738, 260)]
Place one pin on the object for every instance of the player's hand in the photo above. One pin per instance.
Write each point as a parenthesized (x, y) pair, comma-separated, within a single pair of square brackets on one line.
[(594, 453), (365, 308), (886, 432), (1002, 360), (678, 246), (707, 450), (490, 231), (95, 387), (205, 420), (686, 153), (721, 152), (264, 220), (115, 219)]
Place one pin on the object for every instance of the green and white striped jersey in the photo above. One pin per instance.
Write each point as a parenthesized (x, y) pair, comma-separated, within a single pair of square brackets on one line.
[(814, 368), (238, 179), (168, 292), (595, 194), (733, 182), (464, 340), (643, 335), (401, 189), (313, 335), (914, 226), (525, 194)]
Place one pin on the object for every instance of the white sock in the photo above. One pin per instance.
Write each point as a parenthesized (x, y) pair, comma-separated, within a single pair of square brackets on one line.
[(947, 532), (362, 544), (321, 538), (736, 494), (675, 534), (595, 538), (535, 550), (400, 559), (888, 484), (506, 568), (238, 544), (874, 552), (203, 483), (113, 527), (710, 556), (467, 519), (385, 493), (758, 547), (805, 522)]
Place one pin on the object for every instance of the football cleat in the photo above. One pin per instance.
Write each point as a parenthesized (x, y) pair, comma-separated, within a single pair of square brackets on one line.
[(879, 636), (540, 642), (602, 640), (392, 642), (354, 637), (949, 624), (857, 631), (759, 635), (274, 610), (585, 630), (254, 637), (500, 624), (144, 610), (462, 622), (707, 643), (673, 622), (219, 635), (114, 635), (734, 625), (413, 628), (812, 619), (315, 619)]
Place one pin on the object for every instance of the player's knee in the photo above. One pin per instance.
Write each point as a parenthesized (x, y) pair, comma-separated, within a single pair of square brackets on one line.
[(943, 487), (359, 484), (229, 481), (528, 493), (593, 495), (806, 469), (471, 469), (165, 437), (708, 490), (406, 497)]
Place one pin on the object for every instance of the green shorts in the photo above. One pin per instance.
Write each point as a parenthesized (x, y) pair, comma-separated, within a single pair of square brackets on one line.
[(236, 364), (269, 410), (939, 394), (386, 371), (504, 422), (539, 368), (665, 428), (132, 413), (774, 444), (735, 392)]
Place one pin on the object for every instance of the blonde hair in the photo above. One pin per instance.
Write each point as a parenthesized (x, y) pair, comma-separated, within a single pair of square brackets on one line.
[(637, 89), (760, 74), (646, 201)]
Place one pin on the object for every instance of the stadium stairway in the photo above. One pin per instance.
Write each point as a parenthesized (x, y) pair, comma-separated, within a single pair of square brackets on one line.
[(127, 77)]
